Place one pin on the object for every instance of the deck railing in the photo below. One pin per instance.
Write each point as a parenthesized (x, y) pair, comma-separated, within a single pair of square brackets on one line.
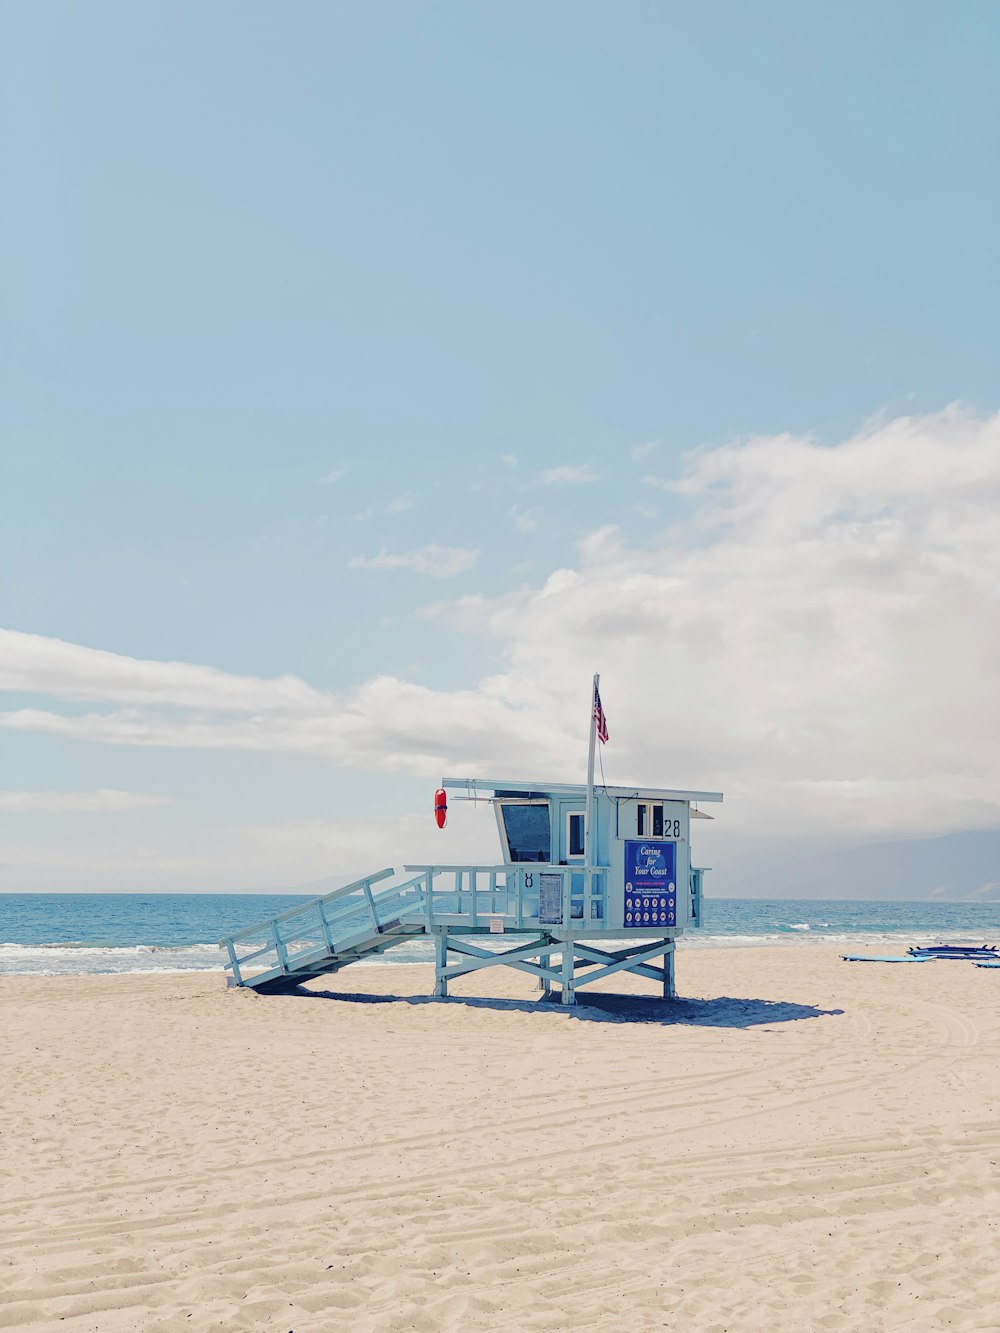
[(528, 895), (697, 875)]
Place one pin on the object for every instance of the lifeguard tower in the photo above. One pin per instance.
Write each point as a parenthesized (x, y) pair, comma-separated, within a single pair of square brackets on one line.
[(594, 881)]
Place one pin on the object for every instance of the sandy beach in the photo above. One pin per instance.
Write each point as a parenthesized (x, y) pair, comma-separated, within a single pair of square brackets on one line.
[(801, 1144)]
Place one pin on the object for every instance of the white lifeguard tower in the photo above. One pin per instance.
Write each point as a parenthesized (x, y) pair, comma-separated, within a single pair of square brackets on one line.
[(599, 877)]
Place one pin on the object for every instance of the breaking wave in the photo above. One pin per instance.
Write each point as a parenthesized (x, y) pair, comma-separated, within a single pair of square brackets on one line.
[(75, 958)]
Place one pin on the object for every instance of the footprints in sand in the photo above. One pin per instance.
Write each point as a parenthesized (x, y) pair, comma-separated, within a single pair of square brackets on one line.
[(450, 1168)]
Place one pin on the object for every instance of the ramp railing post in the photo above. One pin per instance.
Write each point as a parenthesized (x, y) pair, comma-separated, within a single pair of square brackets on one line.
[(371, 906), (324, 926), (279, 947), (234, 963)]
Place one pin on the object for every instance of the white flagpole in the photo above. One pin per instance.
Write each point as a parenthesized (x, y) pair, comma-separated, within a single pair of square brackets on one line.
[(588, 818)]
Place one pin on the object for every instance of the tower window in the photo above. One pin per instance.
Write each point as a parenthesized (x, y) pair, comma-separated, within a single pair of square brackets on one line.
[(651, 823), (576, 828), (526, 830)]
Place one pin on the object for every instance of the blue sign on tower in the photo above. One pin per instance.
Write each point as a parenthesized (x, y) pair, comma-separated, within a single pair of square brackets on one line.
[(650, 885)]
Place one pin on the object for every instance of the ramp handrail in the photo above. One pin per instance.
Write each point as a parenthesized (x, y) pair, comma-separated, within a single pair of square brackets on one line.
[(301, 907), (321, 927)]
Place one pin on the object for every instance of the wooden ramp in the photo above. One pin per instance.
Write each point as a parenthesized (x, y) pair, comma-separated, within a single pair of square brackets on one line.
[(355, 922)]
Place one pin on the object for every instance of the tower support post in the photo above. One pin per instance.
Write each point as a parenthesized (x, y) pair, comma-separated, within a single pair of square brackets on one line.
[(441, 964), (568, 968), (669, 987)]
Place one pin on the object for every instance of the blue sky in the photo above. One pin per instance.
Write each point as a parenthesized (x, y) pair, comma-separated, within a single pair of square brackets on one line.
[(331, 333)]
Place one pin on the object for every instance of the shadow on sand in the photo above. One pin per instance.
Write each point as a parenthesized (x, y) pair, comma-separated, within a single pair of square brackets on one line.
[(597, 1007)]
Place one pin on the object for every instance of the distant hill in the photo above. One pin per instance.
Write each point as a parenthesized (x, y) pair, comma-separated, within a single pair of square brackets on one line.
[(957, 867)]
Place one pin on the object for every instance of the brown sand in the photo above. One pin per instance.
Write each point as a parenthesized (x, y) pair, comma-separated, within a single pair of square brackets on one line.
[(821, 1152)]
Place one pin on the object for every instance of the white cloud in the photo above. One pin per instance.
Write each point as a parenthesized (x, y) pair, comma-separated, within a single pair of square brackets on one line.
[(100, 799), (400, 504), (640, 452), (387, 724), (568, 474), (525, 520), (509, 459), (820, 638), (33, 664), (439, 562), (335, 474)]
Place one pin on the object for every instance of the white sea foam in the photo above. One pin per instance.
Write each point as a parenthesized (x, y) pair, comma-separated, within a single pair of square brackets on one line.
[(73, 958)]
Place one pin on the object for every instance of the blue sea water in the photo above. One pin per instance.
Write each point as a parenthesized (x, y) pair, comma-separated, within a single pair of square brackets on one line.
[(67, 933)]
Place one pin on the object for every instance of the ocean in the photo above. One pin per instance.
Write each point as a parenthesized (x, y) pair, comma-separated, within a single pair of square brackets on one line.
[(62, 934)]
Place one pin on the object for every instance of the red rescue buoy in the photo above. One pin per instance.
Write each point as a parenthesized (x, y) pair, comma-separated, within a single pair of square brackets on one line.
[(440, 807)]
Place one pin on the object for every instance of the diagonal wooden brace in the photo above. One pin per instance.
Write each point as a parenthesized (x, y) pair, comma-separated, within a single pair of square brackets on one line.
[(621, 960), (482, 958)]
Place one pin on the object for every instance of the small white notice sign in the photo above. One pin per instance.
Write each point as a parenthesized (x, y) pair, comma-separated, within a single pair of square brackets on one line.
[(496, 925)]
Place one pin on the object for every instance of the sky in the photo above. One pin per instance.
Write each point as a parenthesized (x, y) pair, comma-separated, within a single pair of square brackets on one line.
[(372, 375)]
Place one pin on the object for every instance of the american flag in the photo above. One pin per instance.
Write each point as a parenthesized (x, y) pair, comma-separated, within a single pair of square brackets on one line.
[(599, 718)]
